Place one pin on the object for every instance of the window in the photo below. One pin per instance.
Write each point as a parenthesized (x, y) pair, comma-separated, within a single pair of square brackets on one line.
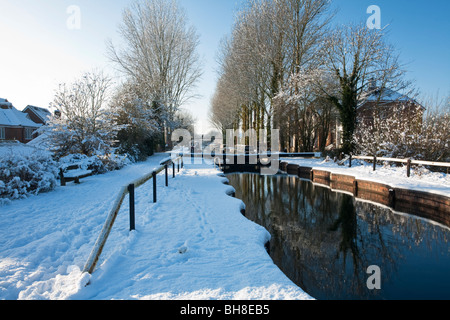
[(2, 133), (29, 134)]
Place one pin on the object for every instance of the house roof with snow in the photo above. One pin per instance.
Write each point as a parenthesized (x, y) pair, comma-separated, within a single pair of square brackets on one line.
[(5, 103), (387, 96), (11, 117), (41, 113)]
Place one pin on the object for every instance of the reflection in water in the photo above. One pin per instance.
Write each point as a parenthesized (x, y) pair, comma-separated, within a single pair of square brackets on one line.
[(324, 241)]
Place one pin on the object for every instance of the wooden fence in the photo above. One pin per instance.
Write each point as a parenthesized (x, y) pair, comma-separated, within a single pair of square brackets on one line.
[(408, 162), (128, 189)]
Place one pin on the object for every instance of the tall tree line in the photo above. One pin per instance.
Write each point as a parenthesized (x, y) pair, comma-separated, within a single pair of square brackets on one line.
[(270, 41), (287, 66)]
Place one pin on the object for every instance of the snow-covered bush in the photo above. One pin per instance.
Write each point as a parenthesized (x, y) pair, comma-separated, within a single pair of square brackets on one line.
[(26, 174), (114, 161), (98, 164), (141, 124), (398, 137), (84, 124)]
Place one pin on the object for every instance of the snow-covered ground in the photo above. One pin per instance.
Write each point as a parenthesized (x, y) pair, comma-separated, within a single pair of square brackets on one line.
[(192, 244), (421, 179)]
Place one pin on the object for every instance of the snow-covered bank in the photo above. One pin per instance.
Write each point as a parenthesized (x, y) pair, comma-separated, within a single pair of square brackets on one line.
[(421, 179), (42, 236), (192, 244)]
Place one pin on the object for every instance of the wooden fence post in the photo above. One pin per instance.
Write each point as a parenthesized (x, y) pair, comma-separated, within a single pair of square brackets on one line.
[(392, 198), (355, 188), (154, 186), (61, 177), (132, 207), (106, 230), (408, 168), (374, 163), (166, 169)]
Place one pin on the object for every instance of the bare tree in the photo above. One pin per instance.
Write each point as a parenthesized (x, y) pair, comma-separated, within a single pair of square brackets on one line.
[(85, 124), (224, 108), (270, 40), (303, 107), (356, 57), (159, 53)]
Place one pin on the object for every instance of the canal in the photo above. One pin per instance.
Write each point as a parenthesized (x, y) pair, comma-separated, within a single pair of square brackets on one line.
[(326, 242)]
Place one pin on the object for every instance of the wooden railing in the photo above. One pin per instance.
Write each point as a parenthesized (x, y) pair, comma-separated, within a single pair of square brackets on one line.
[(124, 191), (408, 162)]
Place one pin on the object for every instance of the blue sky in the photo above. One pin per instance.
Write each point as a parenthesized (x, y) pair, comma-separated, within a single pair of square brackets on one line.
[(419, 30), (38, 51)]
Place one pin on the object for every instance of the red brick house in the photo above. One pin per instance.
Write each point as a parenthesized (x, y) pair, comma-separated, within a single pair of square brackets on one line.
[(37, 114), (16, 125), (383, 104), (390, 104)]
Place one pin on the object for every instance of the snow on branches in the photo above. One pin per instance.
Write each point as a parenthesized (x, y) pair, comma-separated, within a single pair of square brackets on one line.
[(84, 124), (403, 132)]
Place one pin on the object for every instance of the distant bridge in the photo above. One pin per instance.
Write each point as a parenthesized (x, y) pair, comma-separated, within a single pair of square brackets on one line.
[(249, 162)]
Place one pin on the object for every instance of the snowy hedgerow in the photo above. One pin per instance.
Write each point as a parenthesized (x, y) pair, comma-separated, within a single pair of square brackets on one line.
[(397, 136), (25, 174)]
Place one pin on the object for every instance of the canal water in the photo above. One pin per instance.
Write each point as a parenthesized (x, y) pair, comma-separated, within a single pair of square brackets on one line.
[(335, 247)]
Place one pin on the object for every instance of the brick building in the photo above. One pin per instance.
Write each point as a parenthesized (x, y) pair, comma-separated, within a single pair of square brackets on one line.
[(16, 125), (390, 104), (385, 104), (37, 114)]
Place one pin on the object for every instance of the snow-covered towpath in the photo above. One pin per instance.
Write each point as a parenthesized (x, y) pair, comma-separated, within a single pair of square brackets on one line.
[(192, 244)]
